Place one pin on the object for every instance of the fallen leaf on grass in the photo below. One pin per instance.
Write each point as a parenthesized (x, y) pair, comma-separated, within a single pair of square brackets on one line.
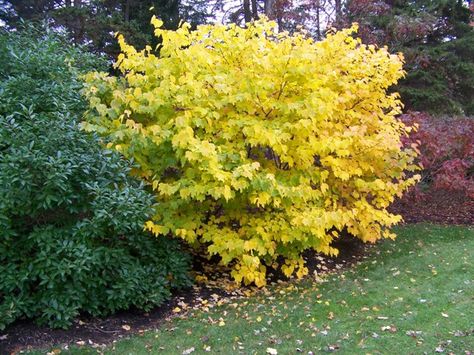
[(389, 328), (414, 333), (272, 351), (333, 347)]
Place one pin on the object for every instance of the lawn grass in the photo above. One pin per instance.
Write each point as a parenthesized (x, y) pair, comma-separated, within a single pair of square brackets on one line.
[(410, 296)]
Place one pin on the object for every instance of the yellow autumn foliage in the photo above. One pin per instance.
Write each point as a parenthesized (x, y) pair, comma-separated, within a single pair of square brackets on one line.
[(259, 144)]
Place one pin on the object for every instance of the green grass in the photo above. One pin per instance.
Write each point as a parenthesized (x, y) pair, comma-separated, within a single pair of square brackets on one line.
[(410, 296)]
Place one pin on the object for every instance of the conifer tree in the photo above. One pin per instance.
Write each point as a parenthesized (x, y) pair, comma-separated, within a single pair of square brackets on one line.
[(438, 43)]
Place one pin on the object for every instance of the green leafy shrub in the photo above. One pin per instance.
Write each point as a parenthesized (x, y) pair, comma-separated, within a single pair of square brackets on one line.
[(71, 218)]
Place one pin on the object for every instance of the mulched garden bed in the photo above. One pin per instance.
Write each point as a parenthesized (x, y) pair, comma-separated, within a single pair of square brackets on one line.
[(441, 207)]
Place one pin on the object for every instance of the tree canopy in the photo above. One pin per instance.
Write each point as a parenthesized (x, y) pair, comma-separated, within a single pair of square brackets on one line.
[(94, 22), (436, 36), (437, 39)]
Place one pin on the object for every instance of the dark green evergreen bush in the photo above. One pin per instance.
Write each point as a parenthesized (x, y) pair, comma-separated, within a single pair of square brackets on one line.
[(71, 217)]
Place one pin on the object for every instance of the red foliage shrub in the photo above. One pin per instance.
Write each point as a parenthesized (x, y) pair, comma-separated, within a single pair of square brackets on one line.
[(446, 152)]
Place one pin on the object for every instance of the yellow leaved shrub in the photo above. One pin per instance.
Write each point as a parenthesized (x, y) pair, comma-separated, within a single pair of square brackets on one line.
[(259, 144)]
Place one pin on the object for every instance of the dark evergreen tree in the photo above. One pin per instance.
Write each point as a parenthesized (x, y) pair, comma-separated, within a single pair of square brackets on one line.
[(94, 22), (438, 42)]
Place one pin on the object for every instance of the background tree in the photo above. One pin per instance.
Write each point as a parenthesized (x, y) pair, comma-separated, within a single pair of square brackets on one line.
[(437, 41), (313, 15), (94, 22)]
